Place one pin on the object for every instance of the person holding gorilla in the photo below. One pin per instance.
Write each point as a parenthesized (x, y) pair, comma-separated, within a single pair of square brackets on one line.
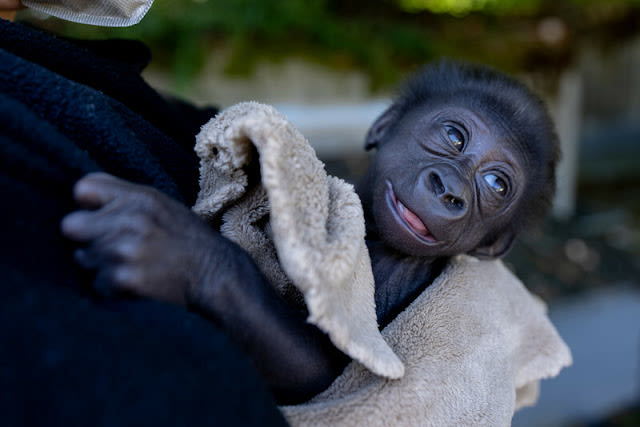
[(465, 160)]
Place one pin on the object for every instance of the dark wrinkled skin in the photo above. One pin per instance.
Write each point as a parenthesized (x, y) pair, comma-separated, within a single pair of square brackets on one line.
[(445, 180)]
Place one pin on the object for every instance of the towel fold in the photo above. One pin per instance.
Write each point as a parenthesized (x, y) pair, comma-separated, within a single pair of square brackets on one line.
[(312, 245)]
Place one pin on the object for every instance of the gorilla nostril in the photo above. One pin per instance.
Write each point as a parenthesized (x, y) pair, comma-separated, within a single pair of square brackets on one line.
[(454, 202), (436, 183)]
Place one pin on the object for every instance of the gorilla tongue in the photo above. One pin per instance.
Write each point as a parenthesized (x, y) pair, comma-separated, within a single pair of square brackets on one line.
[(414, 222)]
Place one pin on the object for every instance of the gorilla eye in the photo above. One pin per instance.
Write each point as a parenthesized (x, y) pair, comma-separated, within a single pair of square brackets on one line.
[(456, 137), (496, 183)]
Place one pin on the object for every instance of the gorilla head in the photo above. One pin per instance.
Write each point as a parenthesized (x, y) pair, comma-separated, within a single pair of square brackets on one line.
[(465, 159)]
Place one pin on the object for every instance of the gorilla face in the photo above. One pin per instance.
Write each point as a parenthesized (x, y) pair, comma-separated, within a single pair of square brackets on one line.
[(444, 180)]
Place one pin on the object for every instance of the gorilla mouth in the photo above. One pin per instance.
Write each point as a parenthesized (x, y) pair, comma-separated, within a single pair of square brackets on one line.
[(410, 219)]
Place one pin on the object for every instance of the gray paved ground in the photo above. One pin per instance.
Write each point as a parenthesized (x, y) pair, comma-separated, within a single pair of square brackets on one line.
[(602, 329)]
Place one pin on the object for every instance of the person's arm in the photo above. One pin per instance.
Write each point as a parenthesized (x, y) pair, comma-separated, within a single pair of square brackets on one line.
[(141, 241)]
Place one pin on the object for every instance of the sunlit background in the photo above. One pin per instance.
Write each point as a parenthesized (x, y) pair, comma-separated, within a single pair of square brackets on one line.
[(331, 67)]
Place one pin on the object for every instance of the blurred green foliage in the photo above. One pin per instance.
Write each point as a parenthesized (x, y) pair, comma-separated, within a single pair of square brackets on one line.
[(386, 38), (497, 7), (462, 7)]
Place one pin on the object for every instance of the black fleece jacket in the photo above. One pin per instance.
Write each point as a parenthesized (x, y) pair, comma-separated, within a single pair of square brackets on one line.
[(68, 357)]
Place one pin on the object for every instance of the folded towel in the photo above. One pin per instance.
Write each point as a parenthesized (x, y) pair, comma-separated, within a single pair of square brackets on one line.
[(314, 236)]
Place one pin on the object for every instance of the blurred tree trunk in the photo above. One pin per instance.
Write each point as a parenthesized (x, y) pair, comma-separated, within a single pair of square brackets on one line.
[(567, 110)]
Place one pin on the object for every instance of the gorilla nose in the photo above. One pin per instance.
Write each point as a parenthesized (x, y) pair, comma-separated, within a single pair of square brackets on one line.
[(450, 191)]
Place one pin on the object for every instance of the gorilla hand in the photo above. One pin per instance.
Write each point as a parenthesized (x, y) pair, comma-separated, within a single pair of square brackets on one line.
[(139, 240)]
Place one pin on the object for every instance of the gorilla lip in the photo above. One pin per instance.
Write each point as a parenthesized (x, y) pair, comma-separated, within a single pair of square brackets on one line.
[(410, 219)]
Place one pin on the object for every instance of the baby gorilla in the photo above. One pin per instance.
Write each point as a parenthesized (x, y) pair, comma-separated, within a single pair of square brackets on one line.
[(465, 159)]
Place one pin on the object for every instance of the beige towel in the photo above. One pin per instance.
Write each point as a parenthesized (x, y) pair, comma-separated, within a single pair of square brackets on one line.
[(474, 345), (315, 232)]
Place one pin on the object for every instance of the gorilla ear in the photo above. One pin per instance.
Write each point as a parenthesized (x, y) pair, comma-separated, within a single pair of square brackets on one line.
[(378, 129), (497, 249)]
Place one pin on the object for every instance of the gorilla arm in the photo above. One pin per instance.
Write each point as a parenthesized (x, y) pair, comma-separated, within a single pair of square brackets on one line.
[(142, 242)]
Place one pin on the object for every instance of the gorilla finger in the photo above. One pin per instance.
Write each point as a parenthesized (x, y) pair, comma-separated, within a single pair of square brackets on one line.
[(82, 226), (79, 226), (95, 257), (108, 222), (128, 278), (121, 249), (99, 188), (114, 280)]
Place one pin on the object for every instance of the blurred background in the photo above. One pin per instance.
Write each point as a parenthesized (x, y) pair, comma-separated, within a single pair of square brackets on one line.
[(331, 67)]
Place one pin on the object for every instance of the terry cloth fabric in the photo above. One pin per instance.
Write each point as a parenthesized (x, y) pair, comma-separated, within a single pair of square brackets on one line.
[(474, 344), (315, 232), (68, 357)]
